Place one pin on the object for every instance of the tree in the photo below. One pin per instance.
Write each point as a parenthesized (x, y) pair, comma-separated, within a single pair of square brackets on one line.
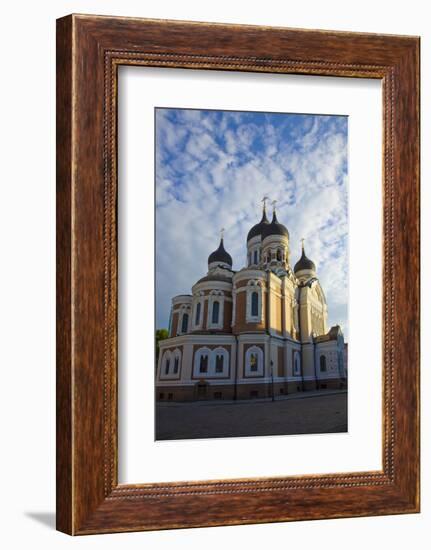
[(161, 334)]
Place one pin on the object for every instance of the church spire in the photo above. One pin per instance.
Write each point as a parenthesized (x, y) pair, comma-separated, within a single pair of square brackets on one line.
[(220, 255), (304, 262), (257, 229), (274, 215), (264, 218)]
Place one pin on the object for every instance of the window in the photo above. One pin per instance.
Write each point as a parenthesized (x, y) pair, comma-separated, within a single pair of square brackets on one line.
[(279, 255), (215, 312), (219, 363), (253, 362), (322, 363), (176, 364), (217, 395), (167, 365), (198, 313), (170, 324), (296, 365), (255, 256), (203, 365), (185, 322), (254, 304), (253, 313)]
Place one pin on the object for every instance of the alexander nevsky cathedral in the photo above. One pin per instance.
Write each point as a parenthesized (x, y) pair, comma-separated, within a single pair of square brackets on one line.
[(260, 332)]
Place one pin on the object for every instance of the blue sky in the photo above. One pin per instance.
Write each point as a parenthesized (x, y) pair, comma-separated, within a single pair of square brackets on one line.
[(212, 170)]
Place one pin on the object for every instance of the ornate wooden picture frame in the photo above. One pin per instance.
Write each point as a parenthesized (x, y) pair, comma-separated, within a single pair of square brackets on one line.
[(89, 51)]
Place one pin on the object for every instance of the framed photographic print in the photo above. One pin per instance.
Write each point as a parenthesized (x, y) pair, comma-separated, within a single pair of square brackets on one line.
[(237, 274)]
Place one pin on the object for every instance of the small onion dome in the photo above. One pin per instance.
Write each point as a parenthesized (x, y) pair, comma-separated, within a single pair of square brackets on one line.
[(304, 263), (258, 229), (220, 255), (275, 228)]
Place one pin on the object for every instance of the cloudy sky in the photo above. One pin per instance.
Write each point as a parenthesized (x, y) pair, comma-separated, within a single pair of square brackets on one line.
[(213, 169)]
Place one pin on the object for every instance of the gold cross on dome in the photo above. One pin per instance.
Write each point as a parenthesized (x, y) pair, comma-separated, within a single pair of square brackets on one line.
[(302, 242), (222, 233), (265, 198)]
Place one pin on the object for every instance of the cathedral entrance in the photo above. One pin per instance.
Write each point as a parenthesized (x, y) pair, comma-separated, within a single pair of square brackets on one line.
[(201, 390)]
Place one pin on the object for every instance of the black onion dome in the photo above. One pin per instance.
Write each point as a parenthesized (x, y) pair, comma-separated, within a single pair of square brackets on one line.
[(304, 263), (258, 229), (275, 228), (220, 255)]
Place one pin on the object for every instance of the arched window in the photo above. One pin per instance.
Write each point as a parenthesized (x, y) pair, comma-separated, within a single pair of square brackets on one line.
[(279, 255), (203, 365), (170, 364), (322, 363), (170, 324), (254, 361), (219, 363), (253, 313), (198, 313), (254, 304), (215, 312), (185, 322), (296, 364), (255, 256), (176, 364)]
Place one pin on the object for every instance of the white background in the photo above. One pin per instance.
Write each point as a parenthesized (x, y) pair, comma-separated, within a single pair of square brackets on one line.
[(141, 458), (27, 275)]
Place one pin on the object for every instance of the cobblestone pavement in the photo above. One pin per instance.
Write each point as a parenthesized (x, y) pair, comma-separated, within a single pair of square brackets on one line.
[(306, 414)]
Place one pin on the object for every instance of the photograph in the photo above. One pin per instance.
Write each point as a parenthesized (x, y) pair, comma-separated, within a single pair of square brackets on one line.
[(251, 271), (213, 316)]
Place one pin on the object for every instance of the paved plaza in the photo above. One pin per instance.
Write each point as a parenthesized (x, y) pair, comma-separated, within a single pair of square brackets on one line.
[(305, 413)]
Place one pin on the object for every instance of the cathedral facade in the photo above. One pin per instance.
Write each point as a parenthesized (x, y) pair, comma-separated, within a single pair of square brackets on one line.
[(260, 332)]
